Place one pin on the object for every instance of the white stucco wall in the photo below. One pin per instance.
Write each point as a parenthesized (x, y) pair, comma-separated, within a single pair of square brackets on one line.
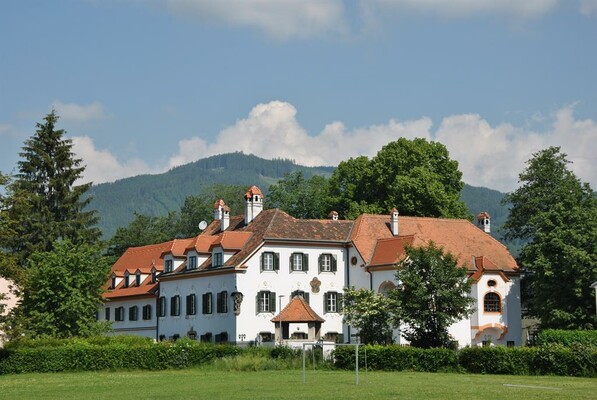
[(284, 282), (140, 327)]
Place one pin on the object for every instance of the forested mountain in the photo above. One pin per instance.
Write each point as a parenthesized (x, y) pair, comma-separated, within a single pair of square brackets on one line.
[(156, 195)]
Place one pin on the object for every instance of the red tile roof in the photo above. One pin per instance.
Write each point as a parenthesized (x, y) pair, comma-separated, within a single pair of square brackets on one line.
[(146, 288), (297, 310), (232, 240), (178, 247), (143, 257), (457, 236)]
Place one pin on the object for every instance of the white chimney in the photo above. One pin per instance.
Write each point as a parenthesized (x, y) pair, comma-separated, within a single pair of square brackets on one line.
[(333, 216), (394, 221), (484, 221), (253, 204), (225, 221), (218, 205)]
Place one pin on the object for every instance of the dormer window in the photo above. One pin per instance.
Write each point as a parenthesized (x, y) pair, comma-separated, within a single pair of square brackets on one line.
[(154, 275), (113, 283), (192, 262), (217, 259), (126, 279), (168, 266), (138, 278)]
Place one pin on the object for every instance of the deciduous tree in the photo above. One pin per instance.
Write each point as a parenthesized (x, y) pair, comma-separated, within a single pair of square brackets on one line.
[(369, 312), (432, 294)]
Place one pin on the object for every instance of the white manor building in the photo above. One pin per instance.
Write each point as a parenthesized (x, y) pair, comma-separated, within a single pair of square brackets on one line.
[(244, 276)]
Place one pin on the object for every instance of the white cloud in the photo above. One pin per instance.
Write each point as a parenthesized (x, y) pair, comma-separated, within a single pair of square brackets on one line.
[(490, 156), (79, 112), (464, 8), (495, 156), (279, 19), (102, 165)]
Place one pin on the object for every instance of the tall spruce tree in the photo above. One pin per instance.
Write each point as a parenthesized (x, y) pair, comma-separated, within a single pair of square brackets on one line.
[(43, 204), (557, 214)]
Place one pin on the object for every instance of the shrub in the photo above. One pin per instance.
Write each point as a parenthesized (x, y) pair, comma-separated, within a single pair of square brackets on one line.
[(397, 358), (498, 360), (567, 338)]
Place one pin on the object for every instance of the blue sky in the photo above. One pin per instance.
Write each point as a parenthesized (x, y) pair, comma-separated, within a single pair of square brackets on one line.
[(142, 86)]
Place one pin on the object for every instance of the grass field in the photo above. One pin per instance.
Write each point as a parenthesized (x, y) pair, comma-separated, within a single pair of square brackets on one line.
[(210, 384)]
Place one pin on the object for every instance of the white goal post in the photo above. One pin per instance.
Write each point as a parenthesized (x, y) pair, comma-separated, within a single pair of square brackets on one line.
[(321, 344)]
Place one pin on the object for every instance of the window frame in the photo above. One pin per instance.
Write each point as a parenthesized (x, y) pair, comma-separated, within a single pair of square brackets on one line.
[(175, 306), (119, 314), (168, 265), (297, 258), (146, 312), (222, 302), (207, 303), (191, 304), (275, 261), (332, 303), (333, 262), (192, 264), (493, 305), (107, 314), (265, 302), (162, 306), (133, 313)]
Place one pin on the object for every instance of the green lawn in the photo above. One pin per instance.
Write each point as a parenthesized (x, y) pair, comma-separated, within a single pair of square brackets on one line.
[(211, 384)]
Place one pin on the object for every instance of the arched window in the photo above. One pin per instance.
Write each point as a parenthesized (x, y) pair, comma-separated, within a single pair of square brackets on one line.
[(386, 287), (492, 302)]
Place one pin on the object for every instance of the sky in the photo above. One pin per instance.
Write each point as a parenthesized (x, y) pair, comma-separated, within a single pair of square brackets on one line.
[(143, 86)]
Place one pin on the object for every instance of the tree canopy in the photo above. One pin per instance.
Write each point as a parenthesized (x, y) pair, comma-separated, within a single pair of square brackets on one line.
[(557, 215), (369, 312), (63, 291), (416, 176), (44, 203), (432, 295), (300, 197)]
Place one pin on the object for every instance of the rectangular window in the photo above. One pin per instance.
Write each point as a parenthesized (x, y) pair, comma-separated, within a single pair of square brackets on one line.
[(266, 302), (113, 283), (510, 343), (119, 314), (207, 303), (192, 262), (126, 280), (168, 266), (175, 306), (223, 302), (138, 279), (327, 263), (217, 259), (147, 312), (191, 304), (205, 338), (270, 261), (162, 307), (133, 313), (107, 314), (154, 275), (332, 302), (299, 262)]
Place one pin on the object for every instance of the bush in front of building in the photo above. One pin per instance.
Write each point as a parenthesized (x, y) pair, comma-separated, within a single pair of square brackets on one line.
[(110, 354), (567, 338), (397, 358), (554, 359)]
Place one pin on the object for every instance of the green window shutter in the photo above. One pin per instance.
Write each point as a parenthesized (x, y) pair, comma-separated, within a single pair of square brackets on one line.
[(334, 263), (319, 261), (290, 263), (306, 297), (325, 303), (272, 301), (276, 261), (262, 257), (305, 262), (339, 305), (257, 302)]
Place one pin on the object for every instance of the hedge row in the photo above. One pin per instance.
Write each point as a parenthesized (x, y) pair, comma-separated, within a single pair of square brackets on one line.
[(83, 356), (576, 360), (567, 338)]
